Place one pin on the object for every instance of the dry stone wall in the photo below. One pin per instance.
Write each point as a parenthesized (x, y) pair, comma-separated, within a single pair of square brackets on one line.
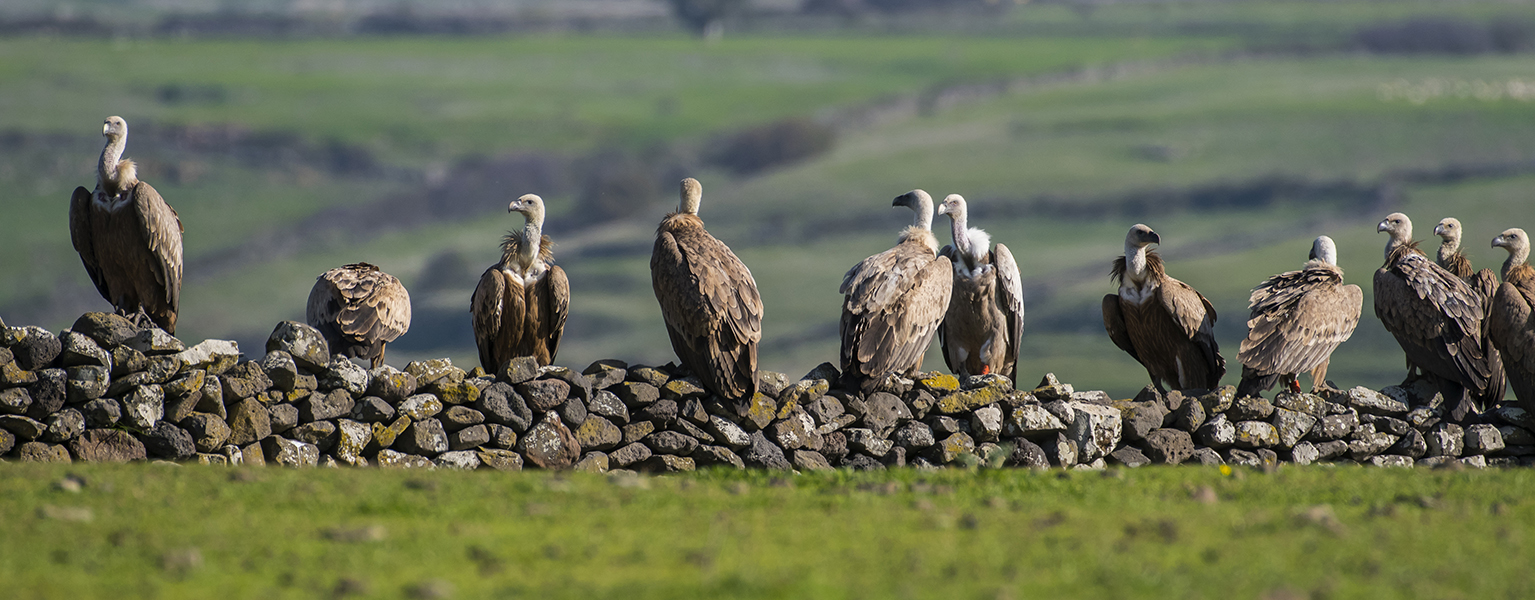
[(107, 391)]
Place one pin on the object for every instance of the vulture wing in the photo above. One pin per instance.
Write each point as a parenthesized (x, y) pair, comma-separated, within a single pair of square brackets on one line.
[(712, 309), (1513, 333), (1114, 323), (1196, 317), (893, 305), (487, 308), (162, 230), (943, 334), (1298, 319), (1435, 317), (1010, 299), (557, 298), (81, 236)]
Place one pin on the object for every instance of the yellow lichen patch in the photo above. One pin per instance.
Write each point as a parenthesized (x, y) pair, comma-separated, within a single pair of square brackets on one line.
[(939, 383)]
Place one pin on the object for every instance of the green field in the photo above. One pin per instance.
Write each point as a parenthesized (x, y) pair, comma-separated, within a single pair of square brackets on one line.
[(145, 530)]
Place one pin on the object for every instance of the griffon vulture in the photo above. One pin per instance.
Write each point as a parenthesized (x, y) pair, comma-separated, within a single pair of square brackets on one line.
[(1163, 323), (709, 300), (520, 305), (128, 238), (1298, 319), (1483, 282), (1437, 319), (894, 302), (1508, 318), (984, 324), (359, 309)]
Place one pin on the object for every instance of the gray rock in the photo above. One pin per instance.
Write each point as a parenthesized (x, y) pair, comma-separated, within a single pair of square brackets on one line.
[(501, 436), (390, 459), (212, 400), (213, 356), (727, 433), (1033, 421), (343, 374), (986, 424), (155, 341), (458, 459), (249, 422), (79, 349), (545, 394), (1423, 417), (598, 433), (372, 409), (15, 401), (825, 409), (321, 406), (1050, 388), (1516, 436), (835, 447), (47, 393), (1028, 455), (391, 384), (1412, 445), (764, 454), (351, 438), (549, 444), (946, 425), (425, 437), (1368, 444), (810, 460), (864, 440), (1250, 408), (320, 433), (606, 404), (1238, 456), (289, 453), (303, 343), (284, 417), (1310, 404), (666, 463), (1096, 430), (716, 456), (500, 460), (84, 384), (1189, 416), (659, 412), (107, 445), (42, 452), (1392, 460), (31, 347), (63, 426), (469, 438), (1168, 446), (1217, 432), (629, 455), (107, 329), (1304, 453), (796, 432), (1256, 434), (1206, 457), (1292, 425), (1483, 439), (687, 427), (420, 406), (519, 370), (1218, 401), (122, 360), (503, 405), (102, 413), (683, 388), (25, 428), (1391, 425), (183, 395), (637, 430), (671, 442), (606, 373), (244, 380), (636, 394), (915, 435), (1368, 401), (209, 432), (1475, 462), (1062, 451), (1129, 456), (458, 417), (693, 411), (143, 407), (168, 441), (1333, 427), (1332, 449), (573, 411), (1516, 416), (883, 413)]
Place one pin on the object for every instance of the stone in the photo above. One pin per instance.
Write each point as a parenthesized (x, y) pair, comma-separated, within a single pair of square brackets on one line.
[(425, 437), (796, 431), (125, 360), (1391, 425), (24, 428), (435, 371), (826, 371), (637, 430), (1027, 454), (15, 401), (716, 456), (825, 409), (352, 438), (459, 392), (678, 390), (212, 397), (969, 400), (605, 404), (760, 412), (1217, 432), (106, 445), (519, 370), (213, 356), (574, 412), (390, 459), (1475, 462), (1050, 388), (772, 383), (1218, 401), (1333, 449), (500, 460), (284, 417), (1207, 457), (1480, 439), (12, 375), (943, 425), (606, 373), (63, 426), (549, 444), (1292, 425), (986, 423), (289, 453), (469, 438), (372, 409), (727, 433), (183, 395), (504, 406), (1238, 456), (102, 413), (598, 433), (391, 384), (249, 422), (1392, 460), (42, 452), (168, 441), (1141, 418), (1168, 446), (593, 462), (952, 447), (937, 383), (1250, 408), (320, 433), (1445, 439), (629, 455), (209, 432), (1092, 397), (385, 436), (1129, 456), (686, 427), (1368, 401), (321, 406), (123, 385), (1304, 453), (143, 407), (84, 384), (79, 349), (155, 341), (106, 329), (1334, 427), (47, 393), (864, 440), (1310, 404), (670, 442), (343, 374), (466, 460), (895, 458), (883, 413), (666, 463), (861, 462), (1062, 451), (32, 347), (1096, 430), (501, 436), (303, 343), (764, 454), (458, 417), (914, 435), (1369, 443), (1412, 444), (420, 406), (810, 460), (1516, 436), (1033, 421), (1423, 417), (659, 412), (1516, 416), (544, 394), (693, 410)]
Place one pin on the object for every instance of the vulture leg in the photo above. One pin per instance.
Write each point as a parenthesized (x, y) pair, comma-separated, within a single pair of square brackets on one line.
[(1460, 397), (1319, 378), (1292, 383), (378, 359)]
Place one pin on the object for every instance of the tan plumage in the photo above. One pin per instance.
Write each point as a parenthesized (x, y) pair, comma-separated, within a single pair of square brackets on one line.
[(128, 238), (894, 301), (1163, 323), (1483, 282), (1508, 319), (359, 309), (708, 299), (1298, 318), (521, 303), (984, 323), (1437, 319)]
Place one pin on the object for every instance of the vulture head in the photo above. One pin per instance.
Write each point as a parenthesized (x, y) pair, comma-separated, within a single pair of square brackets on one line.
[(921, 204), (531, 206), (1448, 229), (1517, 244), (1325, 250), (692, 194), (1400, 228), (114, 128), (1139, 237), (971, 243)]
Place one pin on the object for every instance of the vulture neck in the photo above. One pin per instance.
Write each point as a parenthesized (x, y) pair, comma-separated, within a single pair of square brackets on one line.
[(1398, 239), (113, 173), (532, 240), (964, 239), (1516, 257), (1448, 250), (1135, 263), (924, 217)]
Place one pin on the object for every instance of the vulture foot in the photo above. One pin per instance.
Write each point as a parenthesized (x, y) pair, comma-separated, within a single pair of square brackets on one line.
[(985, 369)]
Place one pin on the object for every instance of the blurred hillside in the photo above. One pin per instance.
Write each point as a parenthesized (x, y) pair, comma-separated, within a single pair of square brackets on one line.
[(1238, 129)]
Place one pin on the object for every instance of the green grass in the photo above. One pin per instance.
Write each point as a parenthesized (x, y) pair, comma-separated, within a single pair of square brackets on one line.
[(1336, 532)]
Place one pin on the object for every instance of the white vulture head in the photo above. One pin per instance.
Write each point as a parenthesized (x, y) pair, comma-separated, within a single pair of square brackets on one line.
[(692, 194), (1325, 250), (921, 204)]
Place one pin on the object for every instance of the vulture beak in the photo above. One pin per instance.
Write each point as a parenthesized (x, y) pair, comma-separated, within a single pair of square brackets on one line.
[(902, 200), (105, 128), (1382, 227), (943, 209), (1439, 229), (511, 208), (1156, 239), (1497, 241)]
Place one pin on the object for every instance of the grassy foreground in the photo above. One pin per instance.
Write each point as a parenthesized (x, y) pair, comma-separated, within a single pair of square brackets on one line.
[(182, 532)]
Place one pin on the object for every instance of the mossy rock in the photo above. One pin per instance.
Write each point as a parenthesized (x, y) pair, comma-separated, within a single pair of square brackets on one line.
[(939, 383), (968, 400)]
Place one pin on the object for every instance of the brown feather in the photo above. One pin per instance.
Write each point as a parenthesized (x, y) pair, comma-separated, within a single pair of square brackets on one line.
[(359, 309), (1171, 333), (130, 244), (1298, 318), (710, 304), (1513, 332), (511, 320)]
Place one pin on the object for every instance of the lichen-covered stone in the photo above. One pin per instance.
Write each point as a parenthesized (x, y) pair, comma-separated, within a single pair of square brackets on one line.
[(343, 374), (864, 440), (25, 428), (549, 444), (544, 394), (102, 413), (605, 404), (183, 395), (670, 442), (760, 412), (47, 393), (1061, 450), (1217, 433), (803, 392), (666, 463), (1250, 408), (952, 447), (681, 389), (519, 370), (424, 437), (372, 409), (213, 356), (504, 406), (154, 341), (15, 401), (938, 383), (320, 433), (716, 456), (1129, 456), (1050, 388), (765, 454), (465, 460), (143, 407), (501, 436), (1392, 460), (660, 412), (637, 430), (796, 431), (84, 383), (249, 422), (168, 441), (428, 372), (1292, 426), (420, 406), (1366, 400), (606, 373), (1219, 400), (968, 400), (598, 433), (391, 459), (459, 417), (63, 426), (883, 413), (393, 385), (1168, 446), (107, 329), (986, 423), (629, 455), (914, 435), (1481, 439), (1368, 443), (209, 432), (385, 435), (1310, 404), (469, 438), (1141, 418), (1207, 457), (1333, 427), (1033, 421), (79, 349), (1096, 430), (1516, 436), (1411, 444), (1189, 415), (499, 459), (1516, 416), (42, 452)]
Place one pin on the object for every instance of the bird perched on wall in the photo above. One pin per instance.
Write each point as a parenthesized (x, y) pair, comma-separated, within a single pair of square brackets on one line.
[(520, 305), (984, 324), (894, 302), (1508, 318), (1437, 319), (1298, 318), (1483, 282), (359, 309), (1163, 323), (128, 238), (708, 299)]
